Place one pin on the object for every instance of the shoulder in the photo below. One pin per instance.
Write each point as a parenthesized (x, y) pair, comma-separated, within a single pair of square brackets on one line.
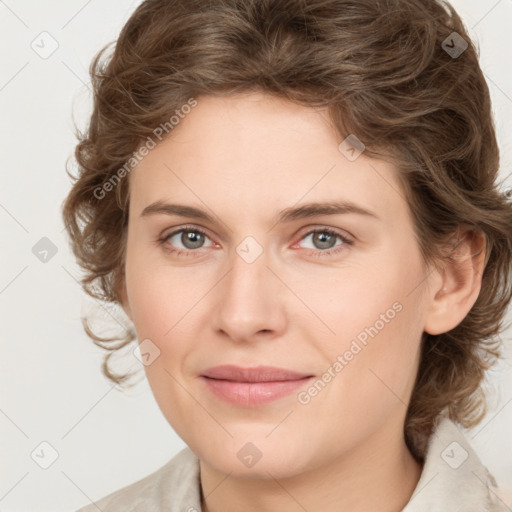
[(453, 476), (174, 486)]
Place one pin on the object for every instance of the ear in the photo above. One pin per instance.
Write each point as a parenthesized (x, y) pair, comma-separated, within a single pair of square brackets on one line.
[(457, 282)]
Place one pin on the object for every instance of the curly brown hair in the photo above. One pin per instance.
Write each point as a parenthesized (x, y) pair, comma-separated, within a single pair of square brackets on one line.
[(392, 73)]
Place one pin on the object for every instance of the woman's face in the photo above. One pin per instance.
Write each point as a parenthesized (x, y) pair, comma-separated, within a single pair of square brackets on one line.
[(342, 308)]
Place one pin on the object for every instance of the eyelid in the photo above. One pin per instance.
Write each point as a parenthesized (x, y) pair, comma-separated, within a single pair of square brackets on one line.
[(305, 229), (323, 228)]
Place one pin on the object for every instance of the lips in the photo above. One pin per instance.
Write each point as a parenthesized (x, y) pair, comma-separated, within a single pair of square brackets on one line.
[(257, 374), (252, 387)]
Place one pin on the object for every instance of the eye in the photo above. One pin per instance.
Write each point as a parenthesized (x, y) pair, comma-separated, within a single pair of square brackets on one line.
[(324, 241), (191, 238)]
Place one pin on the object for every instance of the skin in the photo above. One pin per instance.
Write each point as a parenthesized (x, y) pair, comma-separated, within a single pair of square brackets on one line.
[(244, 158)]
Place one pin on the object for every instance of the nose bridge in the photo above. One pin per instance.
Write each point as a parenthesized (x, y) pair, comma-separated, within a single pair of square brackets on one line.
[(248, 280), (249, 296), (249, 267)]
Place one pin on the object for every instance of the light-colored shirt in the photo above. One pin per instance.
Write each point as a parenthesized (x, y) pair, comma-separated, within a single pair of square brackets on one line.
[(453, 479)]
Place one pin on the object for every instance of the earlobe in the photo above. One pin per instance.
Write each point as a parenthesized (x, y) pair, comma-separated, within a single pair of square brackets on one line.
[(458, 283)]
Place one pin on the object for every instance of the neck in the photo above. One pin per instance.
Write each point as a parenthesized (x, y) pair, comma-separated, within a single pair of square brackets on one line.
[(381, 475)]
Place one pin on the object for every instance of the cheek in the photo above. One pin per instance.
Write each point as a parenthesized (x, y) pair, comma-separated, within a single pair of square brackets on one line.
[(161, 297), (162, 313), (374, 317), (374, 363)]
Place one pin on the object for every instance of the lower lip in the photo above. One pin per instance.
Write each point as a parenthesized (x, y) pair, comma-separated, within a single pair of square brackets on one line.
[(252, 394)]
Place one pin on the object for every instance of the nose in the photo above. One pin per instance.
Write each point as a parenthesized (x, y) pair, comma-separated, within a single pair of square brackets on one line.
[(250, 301)]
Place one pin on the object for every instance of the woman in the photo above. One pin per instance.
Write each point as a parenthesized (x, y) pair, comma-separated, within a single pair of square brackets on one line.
[(295, 203)]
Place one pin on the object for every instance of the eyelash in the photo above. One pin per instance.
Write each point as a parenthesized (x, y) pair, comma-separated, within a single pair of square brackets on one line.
[(317, 253)]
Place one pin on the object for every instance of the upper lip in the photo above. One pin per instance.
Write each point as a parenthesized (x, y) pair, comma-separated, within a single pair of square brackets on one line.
[(255, 374)]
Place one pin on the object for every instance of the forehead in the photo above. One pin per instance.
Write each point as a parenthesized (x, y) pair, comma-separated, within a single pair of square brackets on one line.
[(255, 151)]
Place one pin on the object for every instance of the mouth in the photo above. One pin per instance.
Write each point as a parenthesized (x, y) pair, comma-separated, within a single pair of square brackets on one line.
[(251, 387)]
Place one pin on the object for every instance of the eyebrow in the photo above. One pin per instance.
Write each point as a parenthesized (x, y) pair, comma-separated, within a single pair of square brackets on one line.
[(287, 215)]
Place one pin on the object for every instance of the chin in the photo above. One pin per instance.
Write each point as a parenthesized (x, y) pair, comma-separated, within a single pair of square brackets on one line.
[(259, 459)]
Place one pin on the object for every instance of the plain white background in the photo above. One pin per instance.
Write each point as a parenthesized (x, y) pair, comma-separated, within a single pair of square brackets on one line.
[(51, 386)]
